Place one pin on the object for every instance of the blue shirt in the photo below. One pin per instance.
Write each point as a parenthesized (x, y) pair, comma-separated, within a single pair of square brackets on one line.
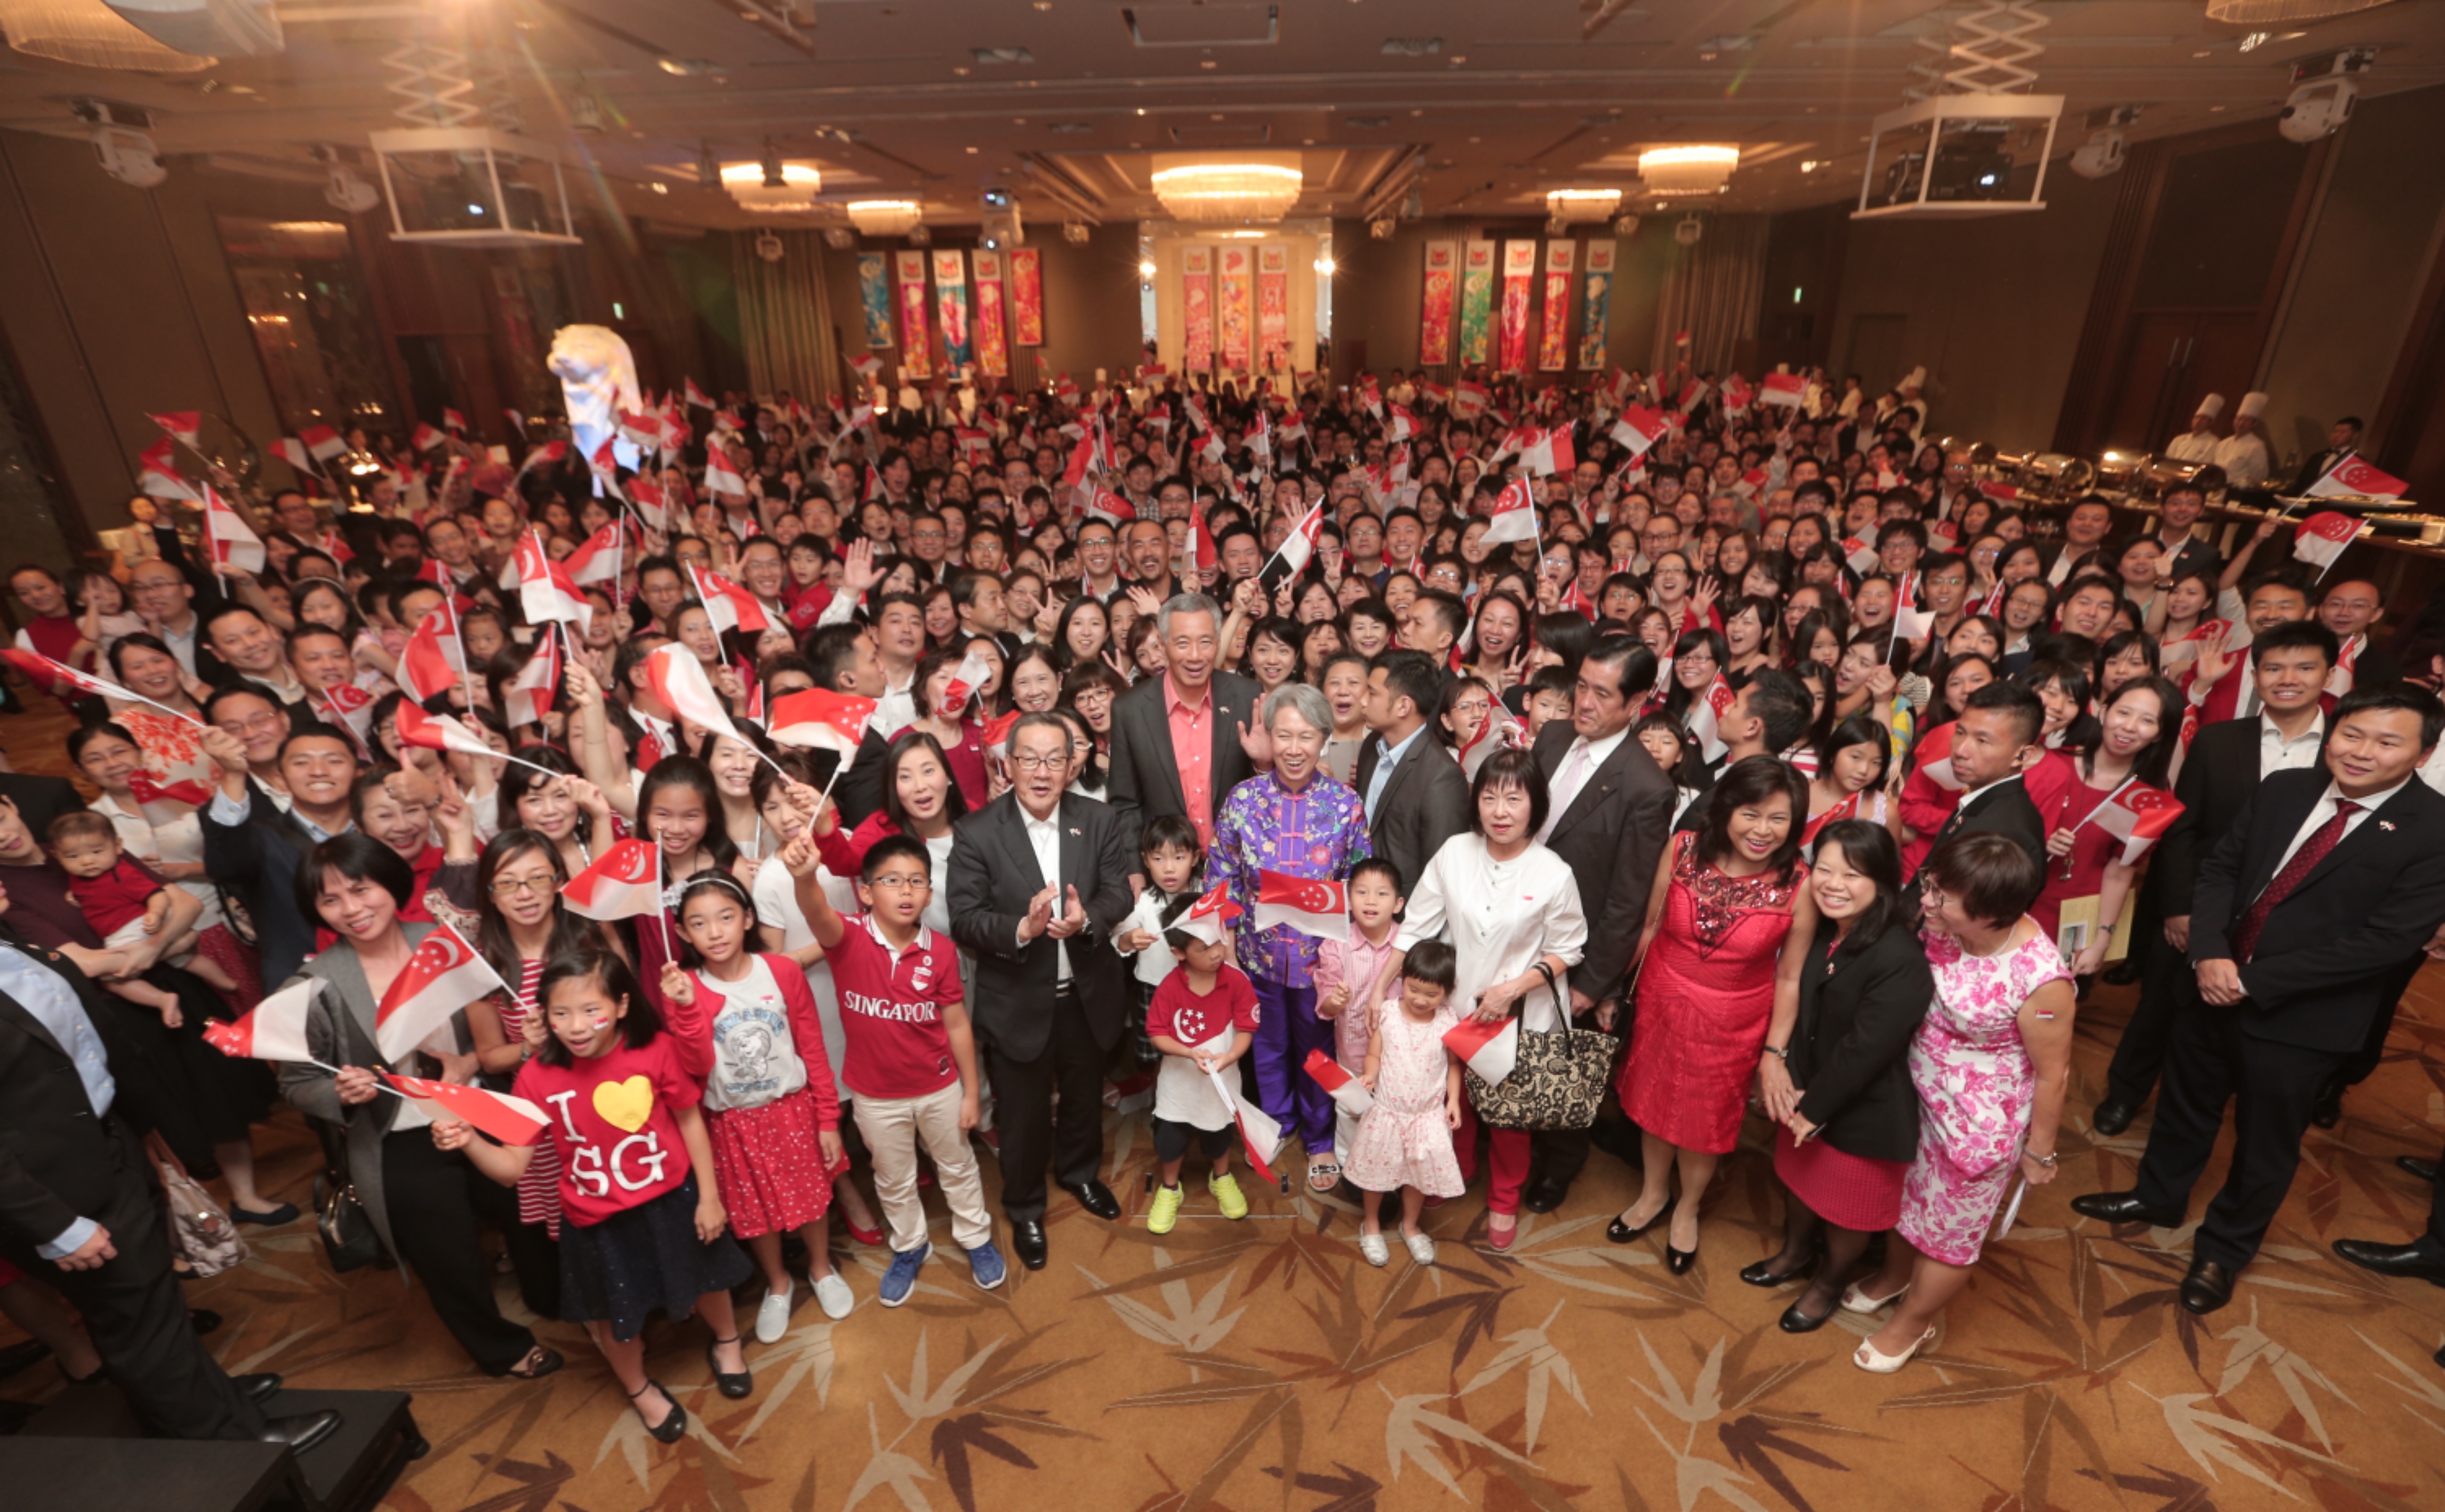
[(1385, 762), (44, 994)]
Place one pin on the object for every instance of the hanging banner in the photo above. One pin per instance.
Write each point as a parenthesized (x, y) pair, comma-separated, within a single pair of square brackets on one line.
[(1553, 338), (1231, 297), (951, 306), (915, 342), (1274, 308), (1027, 297), (1595, 306), (993, 353), (1519, 273), (874, 298), (1197, 308), (1476, 300), (1435, 310)]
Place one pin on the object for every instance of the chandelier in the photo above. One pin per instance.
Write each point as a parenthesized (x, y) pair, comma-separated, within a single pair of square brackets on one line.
[(1675, 170), (885, 217), (1574, 207), (751, 185), (2251, 12), (1228, 190), (91, 35)]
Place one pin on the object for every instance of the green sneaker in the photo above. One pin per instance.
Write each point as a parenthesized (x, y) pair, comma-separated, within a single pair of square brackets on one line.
[(1165, 1210), (1226, 1191)]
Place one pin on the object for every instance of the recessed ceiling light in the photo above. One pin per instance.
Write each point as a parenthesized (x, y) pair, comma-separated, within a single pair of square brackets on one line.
[(1457, 61), (2215, 109), (1205, 62), (1043, 5), (1217, 115), (2200, 54), (971, 149), (659, 188), (961, 70)]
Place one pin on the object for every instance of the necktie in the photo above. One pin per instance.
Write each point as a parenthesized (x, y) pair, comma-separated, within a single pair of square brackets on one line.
[(1574, 772), (2322, 840)]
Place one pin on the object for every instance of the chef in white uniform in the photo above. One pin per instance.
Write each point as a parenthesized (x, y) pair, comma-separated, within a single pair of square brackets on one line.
[(2199, 443), (2243, 454)]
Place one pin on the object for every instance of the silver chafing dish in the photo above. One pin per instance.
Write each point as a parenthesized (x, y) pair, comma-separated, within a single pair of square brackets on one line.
[(2116, 468), (2159, 474)]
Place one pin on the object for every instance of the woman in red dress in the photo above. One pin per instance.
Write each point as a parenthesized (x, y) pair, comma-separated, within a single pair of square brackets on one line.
[(2127, 750), (1713, 965)]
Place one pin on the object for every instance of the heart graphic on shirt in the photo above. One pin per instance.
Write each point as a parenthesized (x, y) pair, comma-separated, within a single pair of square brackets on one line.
[(625, 1104)]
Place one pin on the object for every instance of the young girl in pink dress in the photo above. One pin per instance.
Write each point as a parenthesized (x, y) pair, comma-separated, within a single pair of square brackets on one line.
[(1405, 1141), (1990, 1062)]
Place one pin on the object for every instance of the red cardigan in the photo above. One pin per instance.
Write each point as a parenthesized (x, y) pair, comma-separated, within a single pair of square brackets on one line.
[(691, 1030)]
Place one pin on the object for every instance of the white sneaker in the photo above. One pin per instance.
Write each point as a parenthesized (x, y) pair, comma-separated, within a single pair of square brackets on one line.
[(833, 1296), (1373, 1250), (772, 1315)]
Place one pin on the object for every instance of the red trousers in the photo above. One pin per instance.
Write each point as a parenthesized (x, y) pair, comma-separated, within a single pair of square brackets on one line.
[(1508, 1162)]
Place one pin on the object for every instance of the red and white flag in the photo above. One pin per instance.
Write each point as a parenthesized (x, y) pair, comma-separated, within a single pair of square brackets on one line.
[(1348, 1093), (722, 479), (510, 1120), (456, 422), (1690, 394), (2323, 537), (598, 560), (2137, 815), (234, 546), (274, 1029), (335, 545), (677, 679), (695, 396), (56, 675), (545, 589), (528, 696), (1469, 399), (866, 366), (1639, 428), (2354, 478), (443, 974), (1913, 624), (625, 881), (424, 437), (2000, 492), (1706, 717), (1299, 545), (437, 732), (1258, 1131), (428, 664), (292, 451), (1197, 559), (1936, 759), (186, 425), (1859, 556), (1783, 388), (1498, 731), (643, 432), (1514, 515), (157, 476), (646, 497), (346, 706), (322, 443), (1492, 1049), (970, 675), (1111, 509), (729, 605), (1314, 907), (820, 719)]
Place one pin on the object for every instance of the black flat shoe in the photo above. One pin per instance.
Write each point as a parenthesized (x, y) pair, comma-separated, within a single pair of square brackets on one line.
[(2413, 1165), (1758, 1275), (2113, 1116), (268, 1218), (735, 1386), (1679, 1260), (1621, 1233), (1795, 1321), (2207, 1286), (672, 1427), (1027, 1238)]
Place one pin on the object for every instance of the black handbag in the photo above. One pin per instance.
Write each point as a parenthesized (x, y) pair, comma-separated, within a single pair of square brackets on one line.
[(348, 1237), (1558, 1082)]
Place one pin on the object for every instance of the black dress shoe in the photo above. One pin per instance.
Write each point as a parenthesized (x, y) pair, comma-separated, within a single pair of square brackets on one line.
[(257, 1389), (1678, 1260), (2423, 1259), (1095, 1198), (1763, 1272), (2424, 1169), (738, 1385), (2113, 1116), (2123, 1207), (1795, 1321), (2328, 1110), (1621, 1233), (1544, 1194), (2208, 1287), (203, 1319), (1027, 1237), (302, 1432)]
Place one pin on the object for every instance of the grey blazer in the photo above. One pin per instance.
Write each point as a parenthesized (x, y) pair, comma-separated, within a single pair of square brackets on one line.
[(1145, 770)]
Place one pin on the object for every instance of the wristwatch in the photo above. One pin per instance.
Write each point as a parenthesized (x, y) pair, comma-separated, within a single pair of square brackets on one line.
[(1783, 1051)]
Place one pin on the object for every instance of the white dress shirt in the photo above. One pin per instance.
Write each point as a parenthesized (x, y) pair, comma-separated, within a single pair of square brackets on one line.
[(1045, 835), (895, 709), (1579, 763), (2276, 754)]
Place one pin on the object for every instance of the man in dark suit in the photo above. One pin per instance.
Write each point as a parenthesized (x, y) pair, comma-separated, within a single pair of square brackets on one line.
[(2226, 763), (39, 800), (1182, 741), (1415, 795), (1610, 813), (2343, 444), (2330, 876), (78, 1208), (1038, 880), (1994, 742), (253, 845), (2183, 550), (2352, 610)]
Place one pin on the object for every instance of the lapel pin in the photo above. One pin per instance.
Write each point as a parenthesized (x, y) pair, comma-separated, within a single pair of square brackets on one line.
[(2386, 824)]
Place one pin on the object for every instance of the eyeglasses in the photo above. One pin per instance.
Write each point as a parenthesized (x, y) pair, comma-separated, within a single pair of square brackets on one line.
[(512, 887), (251, 724), (902, 883), (1039, 763)]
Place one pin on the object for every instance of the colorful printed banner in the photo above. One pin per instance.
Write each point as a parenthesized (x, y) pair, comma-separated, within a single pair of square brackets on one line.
[(1553, 336), (1027, 297), (874, 298), (993, 353), (1476, 300), (1435, 312), (1595, 306), (915, 342), (1519, 273), (951, 302), (1231, 300), (1274, 308), (1197, 308)]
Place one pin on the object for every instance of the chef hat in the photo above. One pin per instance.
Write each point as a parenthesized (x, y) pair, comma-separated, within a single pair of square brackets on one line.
[(1207, 915), (1916, 378), (2253, 406), (2211, 406)]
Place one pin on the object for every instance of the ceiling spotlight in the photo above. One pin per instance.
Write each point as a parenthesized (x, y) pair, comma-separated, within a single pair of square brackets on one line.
[(920, 235), (708, 167), (1557, 225), (1325, 265), (772, 163), (1688, 231), (1075, 233), (1146, 270), (1382, 228), (839, 239), (1625, 225)]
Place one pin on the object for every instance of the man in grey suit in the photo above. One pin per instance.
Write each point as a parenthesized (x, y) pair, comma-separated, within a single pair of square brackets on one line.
[(1153, 772), (1609, 816), (1416, 797), (1039, 877)]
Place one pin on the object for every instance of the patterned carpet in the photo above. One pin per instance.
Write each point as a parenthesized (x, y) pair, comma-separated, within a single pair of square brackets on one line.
[(1263, 1365)]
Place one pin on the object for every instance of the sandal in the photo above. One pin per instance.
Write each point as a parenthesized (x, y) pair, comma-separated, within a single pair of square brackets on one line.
[(1323, 1175), (669, 1429), (1855, 1301), (537, 1363)]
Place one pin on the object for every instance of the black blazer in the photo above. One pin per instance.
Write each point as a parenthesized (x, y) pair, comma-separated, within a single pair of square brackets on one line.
[(1611, 836), (2005, 810), (2195, 555), (1144, 772), (2218, 777), (2326, 953), (1425, 802), (57, 1163), (39, 800), (1850, 1046), (993, 876), (258, 861)]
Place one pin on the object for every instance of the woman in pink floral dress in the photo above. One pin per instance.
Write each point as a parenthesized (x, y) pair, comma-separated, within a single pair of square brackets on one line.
[(1990, 1062)]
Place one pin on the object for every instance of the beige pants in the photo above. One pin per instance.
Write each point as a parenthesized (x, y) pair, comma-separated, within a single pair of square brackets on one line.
[(892, 1129)]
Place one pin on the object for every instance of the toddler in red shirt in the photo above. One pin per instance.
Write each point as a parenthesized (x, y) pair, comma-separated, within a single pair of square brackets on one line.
[(126, 906), (1204, 1018)]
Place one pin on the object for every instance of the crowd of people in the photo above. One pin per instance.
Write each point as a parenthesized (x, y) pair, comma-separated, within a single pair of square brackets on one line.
[(1270, 756)]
